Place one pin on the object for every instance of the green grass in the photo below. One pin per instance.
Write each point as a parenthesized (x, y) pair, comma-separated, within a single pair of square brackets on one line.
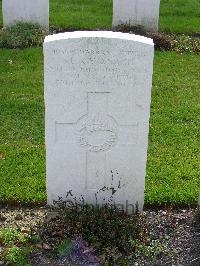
[(175, 15), (22, 173), (180, 16), (174, 148), (173, 158), (81, 13), (17, 246)]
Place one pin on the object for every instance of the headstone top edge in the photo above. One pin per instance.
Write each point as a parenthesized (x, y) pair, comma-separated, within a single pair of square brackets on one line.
[(98, 34)]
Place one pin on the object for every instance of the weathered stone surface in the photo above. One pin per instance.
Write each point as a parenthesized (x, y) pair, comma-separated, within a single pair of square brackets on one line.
[(144, 13), (97, 101), (36, 11)]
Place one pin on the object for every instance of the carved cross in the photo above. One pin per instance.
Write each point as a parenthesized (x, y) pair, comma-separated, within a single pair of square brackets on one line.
[(97, 132)]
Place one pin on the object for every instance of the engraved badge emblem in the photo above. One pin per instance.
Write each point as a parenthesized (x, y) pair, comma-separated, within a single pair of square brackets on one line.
[(97, 132)]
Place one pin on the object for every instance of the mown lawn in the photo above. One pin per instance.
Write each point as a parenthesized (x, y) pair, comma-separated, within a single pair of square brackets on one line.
[(22, 173), (174, 148), (175, 15), (180, 16)]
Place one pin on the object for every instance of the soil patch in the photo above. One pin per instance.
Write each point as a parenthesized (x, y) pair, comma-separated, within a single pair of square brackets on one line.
[(175, 238)]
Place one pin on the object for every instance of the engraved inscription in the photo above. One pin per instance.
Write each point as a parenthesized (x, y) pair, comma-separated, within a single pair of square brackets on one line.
[(93, 67)]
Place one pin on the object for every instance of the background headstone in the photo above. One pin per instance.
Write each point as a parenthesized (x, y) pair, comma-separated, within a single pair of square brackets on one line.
[(144, 13), (33, 11), (97, 102)]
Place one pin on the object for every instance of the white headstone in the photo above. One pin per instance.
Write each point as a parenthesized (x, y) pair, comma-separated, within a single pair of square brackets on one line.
[(97, 101), (33, 11), (144, 13)]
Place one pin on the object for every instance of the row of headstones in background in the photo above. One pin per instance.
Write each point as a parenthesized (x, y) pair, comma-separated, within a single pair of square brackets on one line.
[(97, 102), (97, 99), (33, 11), (143, 13)]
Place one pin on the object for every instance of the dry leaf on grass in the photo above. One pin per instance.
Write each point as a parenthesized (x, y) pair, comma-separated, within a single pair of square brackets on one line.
[(2, 156)]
